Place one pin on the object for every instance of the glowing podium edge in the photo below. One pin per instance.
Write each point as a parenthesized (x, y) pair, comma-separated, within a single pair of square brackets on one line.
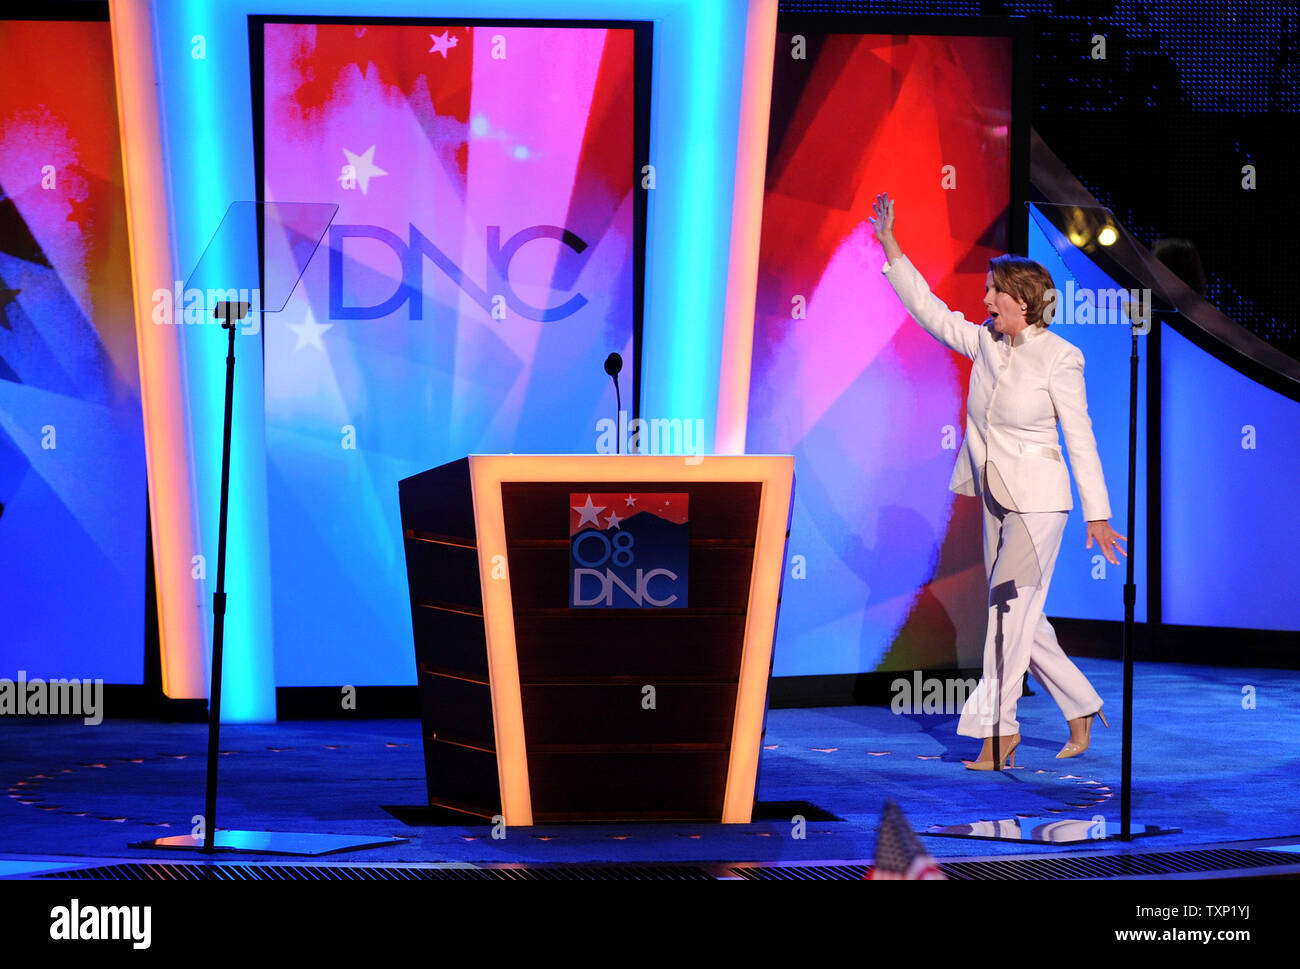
[(775, 473)]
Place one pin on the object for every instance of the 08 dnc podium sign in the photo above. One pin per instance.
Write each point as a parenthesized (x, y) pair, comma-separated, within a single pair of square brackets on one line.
[(629, 550)]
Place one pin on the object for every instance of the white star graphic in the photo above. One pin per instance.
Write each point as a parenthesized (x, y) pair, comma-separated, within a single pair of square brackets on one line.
[(441, 43), (589, 512), (365, 167), (629, 501), (309, 332), (613, 520)]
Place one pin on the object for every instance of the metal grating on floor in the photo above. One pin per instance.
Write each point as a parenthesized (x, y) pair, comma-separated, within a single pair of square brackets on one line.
[(1118, 866), (1054, 868), (801, 873), (1051, 869), (155, 871)]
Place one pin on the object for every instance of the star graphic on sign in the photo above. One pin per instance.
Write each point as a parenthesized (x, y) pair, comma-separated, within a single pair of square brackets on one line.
[(442, 43), (629, 501), (80, 211), (613, 520), (365, 167), (589, 512), (309, 332)]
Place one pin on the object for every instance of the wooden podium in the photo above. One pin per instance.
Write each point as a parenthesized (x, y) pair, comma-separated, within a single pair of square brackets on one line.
[(537, 711)]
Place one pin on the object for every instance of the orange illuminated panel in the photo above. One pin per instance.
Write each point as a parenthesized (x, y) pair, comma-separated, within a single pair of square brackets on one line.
[(746, 228), (162, 375)]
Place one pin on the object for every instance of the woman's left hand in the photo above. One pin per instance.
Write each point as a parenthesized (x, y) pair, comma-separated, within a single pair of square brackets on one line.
[(1107, 540)]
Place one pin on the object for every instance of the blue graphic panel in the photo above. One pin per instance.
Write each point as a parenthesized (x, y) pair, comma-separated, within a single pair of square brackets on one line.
[(1230, 466)]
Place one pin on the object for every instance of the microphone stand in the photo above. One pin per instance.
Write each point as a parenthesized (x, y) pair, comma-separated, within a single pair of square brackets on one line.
[(1130, 600), (229, 314), (235, 261), (1001, 597)]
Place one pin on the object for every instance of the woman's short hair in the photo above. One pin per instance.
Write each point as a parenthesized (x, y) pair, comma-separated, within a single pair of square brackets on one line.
[(1027, 282)]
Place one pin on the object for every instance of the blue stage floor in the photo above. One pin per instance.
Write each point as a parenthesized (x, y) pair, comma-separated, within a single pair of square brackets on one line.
[(1202, 762)]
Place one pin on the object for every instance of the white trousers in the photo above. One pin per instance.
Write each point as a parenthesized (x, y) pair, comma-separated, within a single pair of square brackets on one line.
[(1019, 554)]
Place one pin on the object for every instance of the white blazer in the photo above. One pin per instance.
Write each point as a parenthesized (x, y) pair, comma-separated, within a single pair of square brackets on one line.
[(1018, 393)]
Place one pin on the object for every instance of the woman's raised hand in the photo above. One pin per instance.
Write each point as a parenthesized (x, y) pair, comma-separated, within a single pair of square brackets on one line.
[(883, 222)]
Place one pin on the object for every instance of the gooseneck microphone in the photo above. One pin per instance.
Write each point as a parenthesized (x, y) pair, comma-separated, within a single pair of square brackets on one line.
[(613, 367)]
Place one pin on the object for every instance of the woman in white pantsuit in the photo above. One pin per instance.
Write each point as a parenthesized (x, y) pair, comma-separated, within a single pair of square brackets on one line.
[(1024, 381)]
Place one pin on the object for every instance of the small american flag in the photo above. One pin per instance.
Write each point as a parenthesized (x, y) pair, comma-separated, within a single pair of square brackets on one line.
[(899, 854)]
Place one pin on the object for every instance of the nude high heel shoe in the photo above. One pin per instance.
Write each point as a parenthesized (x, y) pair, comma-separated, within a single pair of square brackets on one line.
[(1074, 748), (1006, 747)]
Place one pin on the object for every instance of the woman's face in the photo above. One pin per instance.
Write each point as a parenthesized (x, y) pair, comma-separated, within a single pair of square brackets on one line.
[(1004, 308)]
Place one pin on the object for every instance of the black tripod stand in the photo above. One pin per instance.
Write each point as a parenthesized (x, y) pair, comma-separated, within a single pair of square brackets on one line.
[(229, 314)]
